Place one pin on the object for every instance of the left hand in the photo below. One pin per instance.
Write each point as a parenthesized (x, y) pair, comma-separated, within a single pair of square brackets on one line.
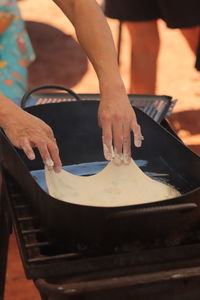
[(26, 131), (117, 119)]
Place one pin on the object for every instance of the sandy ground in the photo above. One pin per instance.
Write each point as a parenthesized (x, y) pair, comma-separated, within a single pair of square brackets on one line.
[(177, 78)]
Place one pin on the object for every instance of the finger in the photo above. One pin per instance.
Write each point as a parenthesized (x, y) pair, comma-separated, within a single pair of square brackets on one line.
[(45, 155), (25, 145), (55, 161), (107, 141), (126, 144), (54, 153), (49, 163), (118, 142), (137, 135)]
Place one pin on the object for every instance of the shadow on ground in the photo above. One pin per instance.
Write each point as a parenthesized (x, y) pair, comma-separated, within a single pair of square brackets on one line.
[(59, 58), (186, 124)]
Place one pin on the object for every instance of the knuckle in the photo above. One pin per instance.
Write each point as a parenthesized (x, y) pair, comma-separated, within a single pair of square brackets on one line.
[(118, 141), (54, 147), (39, 142), (119, 137), (105, 118), (126, 139), (50, 131), (20, 142), (117, 117), (137, 128)]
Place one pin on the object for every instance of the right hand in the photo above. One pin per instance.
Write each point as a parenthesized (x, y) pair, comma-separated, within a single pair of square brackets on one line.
[(26, 131), (117, 119)]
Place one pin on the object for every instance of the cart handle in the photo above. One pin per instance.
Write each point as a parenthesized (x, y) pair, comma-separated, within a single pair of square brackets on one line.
[(86, 286), (45, 87)]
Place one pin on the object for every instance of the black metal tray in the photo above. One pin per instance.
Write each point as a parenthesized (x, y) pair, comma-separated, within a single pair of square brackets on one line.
[(79, 140), (157, 107)]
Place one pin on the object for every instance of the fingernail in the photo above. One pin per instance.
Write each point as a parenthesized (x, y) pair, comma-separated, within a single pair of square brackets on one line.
[(138, 143), (107, 153), (118, 159), (57, 169), (127, 159), (31, 156)]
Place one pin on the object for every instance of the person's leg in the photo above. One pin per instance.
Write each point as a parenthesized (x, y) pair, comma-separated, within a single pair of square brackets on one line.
[(192, 36), (183, 14), (145, 48)]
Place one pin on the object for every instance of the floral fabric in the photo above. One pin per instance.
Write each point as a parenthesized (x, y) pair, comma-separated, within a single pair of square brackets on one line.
[(15, 51)]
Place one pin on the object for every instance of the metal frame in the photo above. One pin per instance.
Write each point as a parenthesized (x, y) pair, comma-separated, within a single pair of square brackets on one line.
[(5, 231)]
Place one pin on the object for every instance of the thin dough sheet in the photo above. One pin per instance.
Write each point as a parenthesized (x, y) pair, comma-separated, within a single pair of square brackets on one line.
[(114, 186)]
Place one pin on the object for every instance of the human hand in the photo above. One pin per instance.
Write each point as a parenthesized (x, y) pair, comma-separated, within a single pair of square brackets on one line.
[(117, 119), (26, 131)]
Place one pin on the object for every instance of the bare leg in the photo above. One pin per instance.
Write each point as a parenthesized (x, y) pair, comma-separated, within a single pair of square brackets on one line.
[(192, 36), (145, 47)]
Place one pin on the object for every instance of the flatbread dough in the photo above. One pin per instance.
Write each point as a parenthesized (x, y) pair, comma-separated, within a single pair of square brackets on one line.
[(114, 186)]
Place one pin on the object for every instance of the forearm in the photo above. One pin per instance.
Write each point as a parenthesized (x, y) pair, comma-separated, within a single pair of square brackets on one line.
[(95, 37), (116, 116), (7, 109)]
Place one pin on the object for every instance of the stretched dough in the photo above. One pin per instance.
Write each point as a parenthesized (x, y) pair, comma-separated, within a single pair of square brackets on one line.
[(114, 186)]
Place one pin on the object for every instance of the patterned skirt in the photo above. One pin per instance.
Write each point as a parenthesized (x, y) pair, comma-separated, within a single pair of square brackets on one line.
[(15, 51)]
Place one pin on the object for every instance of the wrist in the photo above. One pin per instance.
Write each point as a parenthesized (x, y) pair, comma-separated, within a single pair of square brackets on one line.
[(112, 88)]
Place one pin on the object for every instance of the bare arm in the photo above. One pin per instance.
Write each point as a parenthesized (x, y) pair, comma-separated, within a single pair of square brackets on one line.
[(26, 131), (116, 115)]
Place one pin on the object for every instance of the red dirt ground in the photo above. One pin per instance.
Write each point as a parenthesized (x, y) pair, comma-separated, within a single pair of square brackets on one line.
[(61, 60)]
